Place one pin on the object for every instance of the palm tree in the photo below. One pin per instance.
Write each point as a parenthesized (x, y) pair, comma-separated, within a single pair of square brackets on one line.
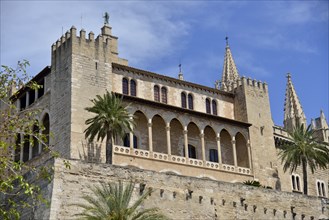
[(111, 202), (111, 120), (303, 150)]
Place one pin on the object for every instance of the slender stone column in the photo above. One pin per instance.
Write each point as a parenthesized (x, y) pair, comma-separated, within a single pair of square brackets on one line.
[(168, 139), (27, 99), (234, 152), (131, 141), (18, 104), (30, 149), (219, 149), (186, 143), (203, 147), (39, 143), (35, 94), (22, 147), (249, 153), (149, 125)]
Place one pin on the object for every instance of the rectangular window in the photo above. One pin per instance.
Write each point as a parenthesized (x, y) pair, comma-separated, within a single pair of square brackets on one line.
[(22, 101), (41, 90), (31, 96), (213, 155)]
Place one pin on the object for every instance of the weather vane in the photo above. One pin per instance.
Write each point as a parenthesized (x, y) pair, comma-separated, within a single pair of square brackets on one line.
[(106, 18)]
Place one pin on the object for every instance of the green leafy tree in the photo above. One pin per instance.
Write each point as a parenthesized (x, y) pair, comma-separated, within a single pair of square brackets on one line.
[(111, 120), (113, 202), (14, 124), (303, 150)]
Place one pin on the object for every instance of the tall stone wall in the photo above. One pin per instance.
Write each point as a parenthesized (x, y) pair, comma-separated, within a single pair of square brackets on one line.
[(181, 197)]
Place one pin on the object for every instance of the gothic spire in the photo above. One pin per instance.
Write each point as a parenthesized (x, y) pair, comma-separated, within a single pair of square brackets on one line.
[(293, 111), (230, 72)]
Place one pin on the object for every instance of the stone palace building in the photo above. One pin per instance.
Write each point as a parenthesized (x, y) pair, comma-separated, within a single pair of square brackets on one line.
[(190, 139)]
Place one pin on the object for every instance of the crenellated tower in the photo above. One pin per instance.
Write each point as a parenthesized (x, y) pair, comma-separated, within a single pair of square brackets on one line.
[(293, 111), (81, 68), (252, 105), (321, 128)]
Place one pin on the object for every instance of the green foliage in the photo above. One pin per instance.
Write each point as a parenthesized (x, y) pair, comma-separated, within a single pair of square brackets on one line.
[(13, 123), (111, 201), (252, 183), (111, 120), (303, 150), (255, 183)]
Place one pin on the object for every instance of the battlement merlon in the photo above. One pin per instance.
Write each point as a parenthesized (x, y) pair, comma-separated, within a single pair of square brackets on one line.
[(104, 41), (243, 81)]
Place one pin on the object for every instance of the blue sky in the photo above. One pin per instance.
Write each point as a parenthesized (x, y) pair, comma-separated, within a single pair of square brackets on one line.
[(268, 39)]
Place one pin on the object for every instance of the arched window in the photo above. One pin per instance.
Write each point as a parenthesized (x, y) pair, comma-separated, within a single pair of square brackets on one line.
[(35, 146), (295, 182), (17, 155), (208, 106), (190, 101), (132, 87), (213, 155), (183, 98), (26, 148), (319, 189), (323, 190), (45, 132), (125, 86), (214, 107), (156, 93), (164, 94)]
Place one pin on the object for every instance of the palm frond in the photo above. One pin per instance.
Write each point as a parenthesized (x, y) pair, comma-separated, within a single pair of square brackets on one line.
[(111, 201)]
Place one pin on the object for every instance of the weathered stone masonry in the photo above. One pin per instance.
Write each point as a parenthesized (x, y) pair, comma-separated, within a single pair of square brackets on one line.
[(180, 197)]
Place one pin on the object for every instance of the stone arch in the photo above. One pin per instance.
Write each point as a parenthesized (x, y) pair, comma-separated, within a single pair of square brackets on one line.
[(211, 149), (176, 137), (141, 130), (193, 135), (159, 139), (226, 147), (241, 150)]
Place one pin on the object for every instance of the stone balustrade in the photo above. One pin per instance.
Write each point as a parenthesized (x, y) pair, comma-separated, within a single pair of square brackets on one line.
[(180, 160)]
